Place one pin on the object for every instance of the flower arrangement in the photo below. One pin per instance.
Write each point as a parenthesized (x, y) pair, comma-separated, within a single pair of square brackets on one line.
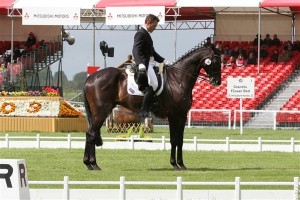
[(38, 108), (66, 110), (47, 91)]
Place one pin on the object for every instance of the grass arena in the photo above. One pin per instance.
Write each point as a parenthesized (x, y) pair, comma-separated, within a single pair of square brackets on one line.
[(152, 165)]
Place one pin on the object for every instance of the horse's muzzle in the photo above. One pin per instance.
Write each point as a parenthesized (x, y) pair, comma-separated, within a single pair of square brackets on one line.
[(215, 82)]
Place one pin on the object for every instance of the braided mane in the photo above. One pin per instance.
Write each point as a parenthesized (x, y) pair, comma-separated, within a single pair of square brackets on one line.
[(188, 53)]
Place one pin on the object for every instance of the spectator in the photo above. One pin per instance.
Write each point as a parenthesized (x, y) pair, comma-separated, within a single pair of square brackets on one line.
[(243, 52), (31, 40), (290, 51), (267, 41), (296, 45), (252, 59), (240, 61), (274, 56), (231, 62), (275, 41), (235, 52), (17, 54), (208, 43), (252, 50), (264, 53), (284, 56), (255, 41), (223, 60), (227, 51)]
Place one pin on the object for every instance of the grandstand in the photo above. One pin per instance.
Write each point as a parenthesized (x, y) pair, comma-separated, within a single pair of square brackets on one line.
[(271, 80), (24, 74)]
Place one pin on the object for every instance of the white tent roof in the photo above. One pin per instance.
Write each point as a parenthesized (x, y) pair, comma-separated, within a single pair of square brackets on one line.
[(83, 4), (218, 3)]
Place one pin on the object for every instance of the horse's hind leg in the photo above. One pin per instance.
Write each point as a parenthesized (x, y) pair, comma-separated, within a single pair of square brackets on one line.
[(93, 138), (90, 156)]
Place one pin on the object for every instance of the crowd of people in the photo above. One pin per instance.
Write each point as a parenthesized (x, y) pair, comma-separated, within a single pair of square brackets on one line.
[(21, 49), (241, 55)]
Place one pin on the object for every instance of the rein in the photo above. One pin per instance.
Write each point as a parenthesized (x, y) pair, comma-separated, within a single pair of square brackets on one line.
[(198, 76)]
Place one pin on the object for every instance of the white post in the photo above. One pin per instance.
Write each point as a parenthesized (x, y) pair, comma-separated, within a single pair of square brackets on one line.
[(163, 143), (66, 195), (122, 188), (195, 142), (229, 119), (241, 116), (189, 119), (292, 144), (7, 140), (38, 141), (296, 188), (227, 144), (234, 119), (237, 188), (69, 141), (274, 120), (259, 144), (179, 188), (132, 142)]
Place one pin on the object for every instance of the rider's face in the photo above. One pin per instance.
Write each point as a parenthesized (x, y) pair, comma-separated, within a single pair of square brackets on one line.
[(151, 26)]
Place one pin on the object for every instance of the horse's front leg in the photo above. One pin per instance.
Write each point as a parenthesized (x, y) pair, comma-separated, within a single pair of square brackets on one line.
[(173, 158), (177, 124), (179, 157)]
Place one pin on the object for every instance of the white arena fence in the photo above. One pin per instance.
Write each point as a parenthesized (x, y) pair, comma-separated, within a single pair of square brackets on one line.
[(230, 119), (178, 193), (195, 144)]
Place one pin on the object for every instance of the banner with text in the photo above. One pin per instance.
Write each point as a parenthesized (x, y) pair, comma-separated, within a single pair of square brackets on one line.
[(50, 16), (133, 15)]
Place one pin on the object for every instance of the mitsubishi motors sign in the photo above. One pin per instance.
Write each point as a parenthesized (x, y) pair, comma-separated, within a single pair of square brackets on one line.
[(133, 15), (50, 16)]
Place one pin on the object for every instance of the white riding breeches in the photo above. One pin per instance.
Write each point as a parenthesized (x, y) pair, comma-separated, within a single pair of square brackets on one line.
[(152, 79)]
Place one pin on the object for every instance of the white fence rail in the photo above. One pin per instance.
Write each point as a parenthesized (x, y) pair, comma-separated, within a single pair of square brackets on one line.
[(162, 143), (179, 193), (227, 113)]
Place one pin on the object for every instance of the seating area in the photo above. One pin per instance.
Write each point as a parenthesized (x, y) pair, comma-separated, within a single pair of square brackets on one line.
[(267, 81), (293, 104)]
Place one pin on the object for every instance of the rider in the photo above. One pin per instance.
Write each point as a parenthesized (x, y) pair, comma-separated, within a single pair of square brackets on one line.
[(145, 57)]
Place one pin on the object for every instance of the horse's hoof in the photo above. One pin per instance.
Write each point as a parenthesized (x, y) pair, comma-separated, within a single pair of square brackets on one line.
[(95, 167), (183, 168), (89, 167), (176, 168)]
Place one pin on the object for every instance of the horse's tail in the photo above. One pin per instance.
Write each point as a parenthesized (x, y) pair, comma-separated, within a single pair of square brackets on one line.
[(87, 107)]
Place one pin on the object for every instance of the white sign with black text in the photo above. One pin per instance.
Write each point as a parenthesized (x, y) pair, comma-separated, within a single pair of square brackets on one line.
[(240, 87), (13, 180), (50, 16), (133, 15)]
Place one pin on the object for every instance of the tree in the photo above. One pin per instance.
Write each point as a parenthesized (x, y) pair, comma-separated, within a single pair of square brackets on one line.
[(61, 82), (79, 80)]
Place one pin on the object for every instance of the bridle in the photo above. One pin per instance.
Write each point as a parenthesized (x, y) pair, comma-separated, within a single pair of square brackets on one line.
[(199, 75)]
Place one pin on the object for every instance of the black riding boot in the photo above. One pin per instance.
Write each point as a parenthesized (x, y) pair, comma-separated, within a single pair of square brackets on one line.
[(147, 102)]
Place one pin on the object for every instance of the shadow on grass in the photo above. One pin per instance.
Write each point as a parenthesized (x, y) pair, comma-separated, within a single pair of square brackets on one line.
[(205, 169)]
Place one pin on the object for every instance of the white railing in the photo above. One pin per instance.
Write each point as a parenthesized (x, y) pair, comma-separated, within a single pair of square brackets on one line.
[(223, 111), (272, 112), (179, 192), (162, 143)]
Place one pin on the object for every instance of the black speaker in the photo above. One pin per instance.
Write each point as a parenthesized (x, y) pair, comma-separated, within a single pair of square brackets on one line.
[(111, 52)]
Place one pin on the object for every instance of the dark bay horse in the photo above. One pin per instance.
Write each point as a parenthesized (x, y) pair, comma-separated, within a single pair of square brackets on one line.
[(107, 88)]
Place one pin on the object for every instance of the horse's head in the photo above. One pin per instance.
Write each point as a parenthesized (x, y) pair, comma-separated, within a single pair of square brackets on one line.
[(212, 66)]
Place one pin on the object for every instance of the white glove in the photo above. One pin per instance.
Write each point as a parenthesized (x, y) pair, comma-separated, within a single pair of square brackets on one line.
[(142, 67), (168, 62)]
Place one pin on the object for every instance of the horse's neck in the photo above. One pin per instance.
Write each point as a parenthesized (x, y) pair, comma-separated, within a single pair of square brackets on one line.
[(186, 75)]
